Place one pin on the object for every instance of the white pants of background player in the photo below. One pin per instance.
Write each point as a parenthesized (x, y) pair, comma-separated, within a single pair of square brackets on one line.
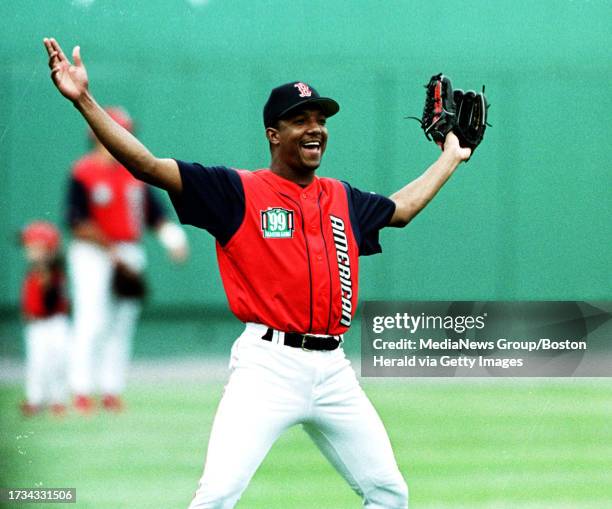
[(104, 325), (273, 387), (46, 341)]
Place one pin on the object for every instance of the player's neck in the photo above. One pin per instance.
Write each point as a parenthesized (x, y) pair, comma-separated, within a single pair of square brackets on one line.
[(302, 177), (102, 154)]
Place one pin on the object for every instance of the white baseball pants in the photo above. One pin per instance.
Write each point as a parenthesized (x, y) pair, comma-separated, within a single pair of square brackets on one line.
[(46, 342), (273, 387), (104, 325)]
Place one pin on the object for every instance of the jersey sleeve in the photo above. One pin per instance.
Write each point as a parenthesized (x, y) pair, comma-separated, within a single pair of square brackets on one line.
[(155, 211), (77, 208), (212, 198), (369, 212)]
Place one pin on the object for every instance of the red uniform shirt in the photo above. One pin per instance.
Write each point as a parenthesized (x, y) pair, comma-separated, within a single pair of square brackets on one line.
[(43, 295), (107, 194), (288, 255)]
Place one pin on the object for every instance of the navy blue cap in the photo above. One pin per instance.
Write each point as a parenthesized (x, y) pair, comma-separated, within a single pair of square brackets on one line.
[(291, 96)]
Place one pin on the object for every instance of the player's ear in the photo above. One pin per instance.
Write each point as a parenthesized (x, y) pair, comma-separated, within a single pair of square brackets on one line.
[(272, 135)]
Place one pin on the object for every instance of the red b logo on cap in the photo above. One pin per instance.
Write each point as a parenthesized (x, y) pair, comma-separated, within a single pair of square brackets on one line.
[(303, 89)]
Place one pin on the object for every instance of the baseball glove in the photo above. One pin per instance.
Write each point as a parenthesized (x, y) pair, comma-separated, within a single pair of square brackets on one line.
[(464, 113), (127, 283), (471, 117), (439, 112)]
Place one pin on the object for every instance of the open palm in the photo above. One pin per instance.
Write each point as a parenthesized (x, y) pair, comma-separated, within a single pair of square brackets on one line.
[(70, 79)]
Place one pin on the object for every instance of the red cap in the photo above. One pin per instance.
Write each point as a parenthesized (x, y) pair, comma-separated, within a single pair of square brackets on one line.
[(41, 232)]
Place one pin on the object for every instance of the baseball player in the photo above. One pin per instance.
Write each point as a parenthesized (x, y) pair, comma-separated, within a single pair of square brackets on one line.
[(287, 244), (45, 310), (107, 210)]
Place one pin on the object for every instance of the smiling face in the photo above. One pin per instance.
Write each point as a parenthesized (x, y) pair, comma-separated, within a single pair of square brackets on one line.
[(298, 142)]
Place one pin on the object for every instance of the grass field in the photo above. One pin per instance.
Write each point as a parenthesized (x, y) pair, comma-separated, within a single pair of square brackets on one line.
[(460, 444)]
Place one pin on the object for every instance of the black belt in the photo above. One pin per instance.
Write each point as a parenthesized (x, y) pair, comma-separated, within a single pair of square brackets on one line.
[(306, 341)]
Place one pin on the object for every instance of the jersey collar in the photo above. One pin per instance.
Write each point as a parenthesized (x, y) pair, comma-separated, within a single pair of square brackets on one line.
[(287, 186)]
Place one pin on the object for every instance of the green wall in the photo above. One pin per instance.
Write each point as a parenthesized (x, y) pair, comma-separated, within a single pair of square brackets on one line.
[(527, 218)]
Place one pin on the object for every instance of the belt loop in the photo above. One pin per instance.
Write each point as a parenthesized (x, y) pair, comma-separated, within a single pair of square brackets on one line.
[(304, 337)]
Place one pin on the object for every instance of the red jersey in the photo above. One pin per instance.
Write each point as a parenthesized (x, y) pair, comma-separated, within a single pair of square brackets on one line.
[(107, 194), (288, 255), (44, 295)]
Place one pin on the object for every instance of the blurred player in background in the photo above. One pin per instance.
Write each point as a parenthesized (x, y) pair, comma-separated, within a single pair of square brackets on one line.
[(107, 211), (45, 309)]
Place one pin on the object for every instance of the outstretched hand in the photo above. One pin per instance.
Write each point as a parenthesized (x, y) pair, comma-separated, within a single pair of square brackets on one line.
[(70, 79), (451, 144)]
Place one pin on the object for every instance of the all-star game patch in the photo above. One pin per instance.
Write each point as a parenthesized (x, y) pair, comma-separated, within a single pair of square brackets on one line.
[(277, 223)]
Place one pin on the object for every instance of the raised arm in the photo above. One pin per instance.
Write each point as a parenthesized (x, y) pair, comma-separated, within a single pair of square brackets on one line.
[(72, 82), (412, 198)]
